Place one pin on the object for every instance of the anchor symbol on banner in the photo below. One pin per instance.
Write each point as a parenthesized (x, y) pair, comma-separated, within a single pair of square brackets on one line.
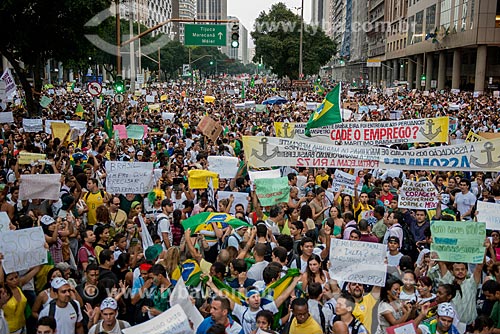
[(488, 149), (429, 134), (264, 156), (286, 127)]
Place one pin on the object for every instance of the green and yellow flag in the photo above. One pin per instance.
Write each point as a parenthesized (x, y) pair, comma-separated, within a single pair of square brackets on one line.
[(319, 89), (79, 110), (252, 82), (108, 124), (242, 89), (328, 112)]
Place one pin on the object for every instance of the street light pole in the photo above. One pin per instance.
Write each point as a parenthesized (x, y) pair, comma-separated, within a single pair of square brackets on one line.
[(118, 39), (132, 49), (301, 74)]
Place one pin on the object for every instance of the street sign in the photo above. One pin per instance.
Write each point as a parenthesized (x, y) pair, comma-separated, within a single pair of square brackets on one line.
[(119, 98), (186, 70), (94, 88), (140, 79), (205, 34)]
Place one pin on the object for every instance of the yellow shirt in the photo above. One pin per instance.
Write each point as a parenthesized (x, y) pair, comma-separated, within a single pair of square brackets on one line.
[(14, 312), (363, 311), (93, 201), (310, 326), (320, 178)]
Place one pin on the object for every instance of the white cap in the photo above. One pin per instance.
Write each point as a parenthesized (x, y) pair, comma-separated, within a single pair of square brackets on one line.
[(58, 282)]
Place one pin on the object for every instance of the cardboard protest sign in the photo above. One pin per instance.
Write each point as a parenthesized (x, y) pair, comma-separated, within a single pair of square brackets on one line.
[(210, 128), (59, 130), (422, 130), (48, 125), (26, 158), (125, 177), (172, 321), (358, 262), (418, 195), (120, 130), (347, 180), (6, 117), (40, 186), (198, 179), (22, 249), (490, 214), (461, 242), (239, 198), (32, 125), (45, 101), (81, 126), (272, 191), (226, 167)]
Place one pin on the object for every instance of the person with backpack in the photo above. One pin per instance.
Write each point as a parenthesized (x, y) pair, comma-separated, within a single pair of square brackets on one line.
[(343, 310), (163, 221), (109, 323), (86, 253), (395, 221), (64, 309), (321, 314)]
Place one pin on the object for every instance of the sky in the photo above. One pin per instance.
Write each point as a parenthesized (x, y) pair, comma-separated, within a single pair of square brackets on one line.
[(248, 10)]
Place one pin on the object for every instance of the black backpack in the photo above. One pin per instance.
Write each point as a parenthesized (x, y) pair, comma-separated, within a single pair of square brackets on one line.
[(52, 308), (409, 246)]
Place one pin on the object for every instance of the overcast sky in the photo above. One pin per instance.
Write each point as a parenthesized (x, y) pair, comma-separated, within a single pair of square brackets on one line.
[(248, 10)]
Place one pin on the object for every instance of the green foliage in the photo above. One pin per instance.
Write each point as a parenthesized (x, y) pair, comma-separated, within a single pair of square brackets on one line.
[(276, 38)]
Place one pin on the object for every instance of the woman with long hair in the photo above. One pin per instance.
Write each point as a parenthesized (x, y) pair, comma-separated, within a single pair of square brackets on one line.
[(14, 309), (368, 183), (171, 260), (102, 238), (424, 290), (46, 295), (338, 221), (346, 204), (318, 206), (306, 216), (408, 290), (391, 311), (177, 228), (314, 272)]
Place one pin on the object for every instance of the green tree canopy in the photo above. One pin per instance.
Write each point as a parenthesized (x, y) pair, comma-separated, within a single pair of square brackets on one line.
[(276, 38)]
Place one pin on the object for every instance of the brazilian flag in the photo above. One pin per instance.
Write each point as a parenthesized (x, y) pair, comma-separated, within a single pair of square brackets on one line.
[(328, 112), (108, 124), (189, 271), (79, 110), (319, 89)]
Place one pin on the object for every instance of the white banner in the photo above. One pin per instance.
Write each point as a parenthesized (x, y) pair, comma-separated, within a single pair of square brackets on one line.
[(418, 195), (490, 214), (10, 84), (23, 249), (4, 222), (423, 130), (264, 174), (32, 124), (271, 151), (239, 198), (180, 296), (226, 167), (347, 180), (129, 177), (6, 117), (167, 116), (172, 321), (81, 126), (40, 186), (358, 262)]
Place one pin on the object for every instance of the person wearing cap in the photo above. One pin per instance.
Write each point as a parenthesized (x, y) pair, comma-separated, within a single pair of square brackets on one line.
[(163, 221), (247, 314), (64, 308), (236, 237), (162, 288), (139, 155), (141, 283), (393, 253), (109, 323), (443, 324)]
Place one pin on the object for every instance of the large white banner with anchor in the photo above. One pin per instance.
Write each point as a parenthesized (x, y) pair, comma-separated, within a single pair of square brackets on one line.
[(271, 151)]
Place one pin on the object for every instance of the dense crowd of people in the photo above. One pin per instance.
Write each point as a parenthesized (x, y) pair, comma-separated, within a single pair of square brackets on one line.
[(102, 278)]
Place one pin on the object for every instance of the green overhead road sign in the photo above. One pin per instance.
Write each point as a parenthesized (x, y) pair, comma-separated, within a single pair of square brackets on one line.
[(205, 34)]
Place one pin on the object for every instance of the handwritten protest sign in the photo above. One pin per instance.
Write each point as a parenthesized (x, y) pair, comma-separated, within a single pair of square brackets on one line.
[(4, 222), (272, 191), (458, 242), (347, 180), (26, 158), (150, 99), (172, 321), (22, 249), (239, 198), (81, 126), (40, 186), (264, 174), (45, 101), (417, 195), (32, 125), (180, 296), (59, 130), (272, 151), (6, 117), (135, 131), (226, 167), (129, 177), (210, 128), (490, 214), (358, 262), (10, 84), (120, 130), (167, 116), (422, 130)]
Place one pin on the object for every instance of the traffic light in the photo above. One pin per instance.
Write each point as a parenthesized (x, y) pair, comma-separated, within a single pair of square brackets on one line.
[(422, 77), (235, 35), (119, 86), (211, 63)]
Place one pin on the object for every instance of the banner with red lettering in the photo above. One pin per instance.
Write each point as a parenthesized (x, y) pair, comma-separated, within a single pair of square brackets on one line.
[(424, 130), (418, 195)]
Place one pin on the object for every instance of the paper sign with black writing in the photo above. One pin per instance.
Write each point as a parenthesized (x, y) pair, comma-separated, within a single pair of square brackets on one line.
[(23, 249), (41, 186), (32, 124), (172, 321), (125, 177), (418, 195), (347, 180), (490, 214), (4, 222), (358, 262), (6, 117), (226, 167), (239, 198)]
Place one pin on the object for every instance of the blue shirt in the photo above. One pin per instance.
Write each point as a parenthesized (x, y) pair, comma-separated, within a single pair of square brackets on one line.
[(233, 328)]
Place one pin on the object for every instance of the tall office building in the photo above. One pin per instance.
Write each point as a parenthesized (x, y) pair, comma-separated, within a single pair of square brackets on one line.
[(160, 11), (187, 11), (212, 9)]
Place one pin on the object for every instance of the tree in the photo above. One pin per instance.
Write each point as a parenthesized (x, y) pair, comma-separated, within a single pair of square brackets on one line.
[(34, 31), (277, 36)]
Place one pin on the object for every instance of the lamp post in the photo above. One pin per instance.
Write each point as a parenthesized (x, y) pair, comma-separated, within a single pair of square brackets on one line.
[(301, 74)]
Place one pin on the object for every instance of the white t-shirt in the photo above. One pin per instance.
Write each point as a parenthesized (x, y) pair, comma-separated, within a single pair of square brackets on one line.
[(4, 326), (97, 328), (66, 318), (255, 272), (164, 227), (248, 318)]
